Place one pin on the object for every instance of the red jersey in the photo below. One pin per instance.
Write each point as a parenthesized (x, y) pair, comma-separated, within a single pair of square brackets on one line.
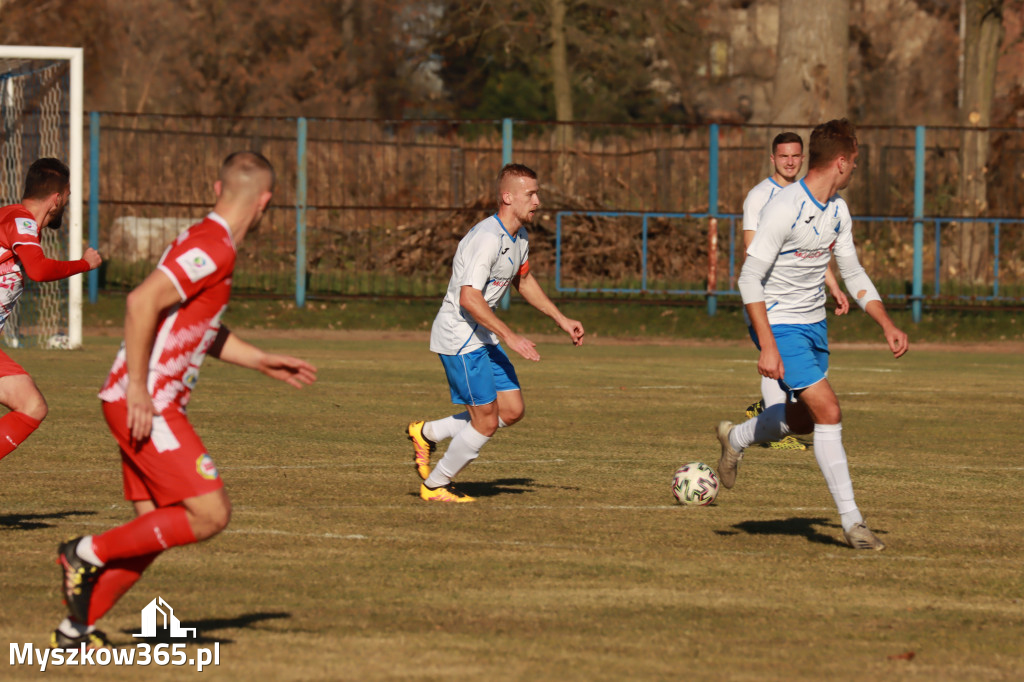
[(17, 226), (199, 263)]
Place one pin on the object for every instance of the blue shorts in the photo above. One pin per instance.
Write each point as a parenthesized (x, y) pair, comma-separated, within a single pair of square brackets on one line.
[(804, 352), (475, 378)]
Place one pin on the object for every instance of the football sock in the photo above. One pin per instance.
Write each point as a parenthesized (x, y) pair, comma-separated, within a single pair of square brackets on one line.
[(73, 629), (831, 456), (771, 392), (114, 581), (152, 532), (464, 448), (445, 428), (766, 427), (15, 427), (85, 551)]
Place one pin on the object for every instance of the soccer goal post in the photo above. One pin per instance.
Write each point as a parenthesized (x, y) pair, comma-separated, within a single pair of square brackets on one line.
[(41, 94)]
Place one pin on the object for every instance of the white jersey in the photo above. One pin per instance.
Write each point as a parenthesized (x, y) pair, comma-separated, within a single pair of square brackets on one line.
[(756, 200), (799, 235), (488, 259)]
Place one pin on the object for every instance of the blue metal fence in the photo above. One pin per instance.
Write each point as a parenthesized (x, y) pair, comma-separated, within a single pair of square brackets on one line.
[(376, 206)]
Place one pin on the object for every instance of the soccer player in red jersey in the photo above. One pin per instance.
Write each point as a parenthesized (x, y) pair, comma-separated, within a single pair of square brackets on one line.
[(172, 322), (47, 189)]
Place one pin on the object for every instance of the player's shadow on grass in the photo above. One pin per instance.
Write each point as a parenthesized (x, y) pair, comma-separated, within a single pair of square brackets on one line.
[(206, 625), (37, 521), (501, 486), (792, 526)]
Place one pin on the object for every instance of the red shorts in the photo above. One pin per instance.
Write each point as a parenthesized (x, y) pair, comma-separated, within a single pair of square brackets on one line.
[(9, 367), (169, 466)]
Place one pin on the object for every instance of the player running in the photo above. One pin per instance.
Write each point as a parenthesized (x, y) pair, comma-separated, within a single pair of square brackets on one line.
[(466, 336), (782, 288), (172, 322), (787, 157), (46, 196)]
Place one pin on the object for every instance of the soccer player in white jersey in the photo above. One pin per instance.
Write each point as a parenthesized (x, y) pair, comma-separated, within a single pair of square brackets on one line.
[(782, 288), (466, 335), (787, 157)]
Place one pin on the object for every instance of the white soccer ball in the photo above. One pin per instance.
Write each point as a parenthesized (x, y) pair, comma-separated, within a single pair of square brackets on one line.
[(695, 484)]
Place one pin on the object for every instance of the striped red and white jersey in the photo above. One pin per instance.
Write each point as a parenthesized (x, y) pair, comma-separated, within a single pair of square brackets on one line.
[(199, 263)]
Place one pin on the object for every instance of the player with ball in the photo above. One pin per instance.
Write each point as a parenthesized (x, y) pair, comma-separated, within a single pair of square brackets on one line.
[(782, 284)]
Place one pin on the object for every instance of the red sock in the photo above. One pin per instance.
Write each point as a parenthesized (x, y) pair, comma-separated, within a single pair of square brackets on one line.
[(150, 533), (15, 427), (117, 577)]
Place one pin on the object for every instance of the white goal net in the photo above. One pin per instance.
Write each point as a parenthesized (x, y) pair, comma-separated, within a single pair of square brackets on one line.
[(41, 116)]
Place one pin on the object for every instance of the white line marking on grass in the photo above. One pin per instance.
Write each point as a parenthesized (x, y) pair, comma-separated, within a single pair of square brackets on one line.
[(646, 388), (329, 536)]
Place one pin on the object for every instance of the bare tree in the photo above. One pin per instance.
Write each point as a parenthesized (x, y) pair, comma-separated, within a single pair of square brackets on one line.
[(810, 73), (981, 31)]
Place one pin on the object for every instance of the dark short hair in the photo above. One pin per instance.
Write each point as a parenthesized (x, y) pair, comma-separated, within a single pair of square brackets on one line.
[(786, 138), (46, 176), (831, 140)]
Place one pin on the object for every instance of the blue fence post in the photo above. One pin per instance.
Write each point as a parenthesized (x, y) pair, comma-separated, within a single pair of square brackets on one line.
[(713, 202), (506, 158), (300, 214), (918, 285), (94, 198)]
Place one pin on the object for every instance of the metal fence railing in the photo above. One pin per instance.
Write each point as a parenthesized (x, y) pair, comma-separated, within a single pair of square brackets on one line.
[(375, 207)]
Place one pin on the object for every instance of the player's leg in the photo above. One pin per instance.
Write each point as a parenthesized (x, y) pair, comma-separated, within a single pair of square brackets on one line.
[(179, 500), (426, 435), (798, 348), (19, 393), (112, 582), (474, 380), (823, 406)]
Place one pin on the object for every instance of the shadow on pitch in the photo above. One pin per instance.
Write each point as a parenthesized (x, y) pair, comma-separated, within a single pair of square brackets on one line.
[(207, 625), (37, 521), (797, 526), (501, 486)]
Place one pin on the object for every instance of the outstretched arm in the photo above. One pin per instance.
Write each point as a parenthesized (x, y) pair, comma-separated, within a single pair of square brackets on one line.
[(42, 269), (531, 290), (293, 371)]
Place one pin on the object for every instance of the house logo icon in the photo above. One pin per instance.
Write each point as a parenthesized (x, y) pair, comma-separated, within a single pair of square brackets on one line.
[(152, 613)]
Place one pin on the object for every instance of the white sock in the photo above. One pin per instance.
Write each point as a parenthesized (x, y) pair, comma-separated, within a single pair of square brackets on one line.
[(464, 448), (766, 427), (73, 629), (772, 393), (445, 428), (85, 551), (831, 456)]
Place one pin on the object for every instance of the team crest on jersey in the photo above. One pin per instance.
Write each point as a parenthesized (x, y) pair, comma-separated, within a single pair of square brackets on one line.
[(196, 264), (27, 226), (206, 468)]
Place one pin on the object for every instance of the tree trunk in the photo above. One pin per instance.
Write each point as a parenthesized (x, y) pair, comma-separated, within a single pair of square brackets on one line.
[(562, 86), (982, 33), (812, 62)]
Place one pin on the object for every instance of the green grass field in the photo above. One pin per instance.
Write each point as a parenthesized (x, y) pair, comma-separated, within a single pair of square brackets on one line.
[(575, 564)]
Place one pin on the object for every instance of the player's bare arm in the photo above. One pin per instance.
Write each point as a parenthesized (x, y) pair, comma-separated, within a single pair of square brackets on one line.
[(769, 363), (532, 292), (842, 303), (143, 309), (293, 371), (472, 299), (894, 336)]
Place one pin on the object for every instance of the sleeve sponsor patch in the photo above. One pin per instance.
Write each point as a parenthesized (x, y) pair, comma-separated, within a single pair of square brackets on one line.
[(196, 264), (27, 226)]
